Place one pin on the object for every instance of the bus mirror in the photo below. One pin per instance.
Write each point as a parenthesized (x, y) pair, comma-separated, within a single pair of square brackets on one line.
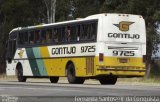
[(11, 48)]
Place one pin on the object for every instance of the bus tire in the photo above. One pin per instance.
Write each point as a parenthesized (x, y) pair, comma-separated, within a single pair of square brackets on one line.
[(71, 75), (54, 79), (20, 76), (108, 80)]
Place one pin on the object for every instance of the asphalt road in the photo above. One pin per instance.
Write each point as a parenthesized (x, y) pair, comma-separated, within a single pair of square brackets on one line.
[(48, 92)]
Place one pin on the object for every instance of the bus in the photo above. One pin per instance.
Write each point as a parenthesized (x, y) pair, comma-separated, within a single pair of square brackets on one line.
[(103, 46)]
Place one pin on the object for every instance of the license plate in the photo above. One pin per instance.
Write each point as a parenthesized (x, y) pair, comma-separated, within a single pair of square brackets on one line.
[(123, 60)]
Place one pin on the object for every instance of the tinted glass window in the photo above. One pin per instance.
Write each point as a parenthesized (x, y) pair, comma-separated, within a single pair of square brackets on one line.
[(23, 38), (88, 31), (31, 37), (55, 35), (13, 35), (67, 33), (37, 37)]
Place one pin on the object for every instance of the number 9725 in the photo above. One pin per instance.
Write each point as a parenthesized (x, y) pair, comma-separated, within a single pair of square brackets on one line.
[(123, 53)]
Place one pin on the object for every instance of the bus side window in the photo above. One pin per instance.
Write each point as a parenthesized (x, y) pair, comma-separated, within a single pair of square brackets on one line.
[(73, 34), (63, 34), (49, 36), (43, 37), (59, 35), (82, 36), (93, 31), (55, 35), (23, 38), (78, 32), (31, 37), (88, 31), (68, 34), (84, 32), (37, 36)]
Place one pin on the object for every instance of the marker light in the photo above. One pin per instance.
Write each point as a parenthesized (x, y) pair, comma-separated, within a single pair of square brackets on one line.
[(144, 58), (101, 57)]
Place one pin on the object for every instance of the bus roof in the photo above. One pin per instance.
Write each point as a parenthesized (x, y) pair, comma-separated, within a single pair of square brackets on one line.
[(92, 17)]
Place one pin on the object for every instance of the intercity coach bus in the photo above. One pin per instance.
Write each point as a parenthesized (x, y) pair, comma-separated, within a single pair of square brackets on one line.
[(102, 46)]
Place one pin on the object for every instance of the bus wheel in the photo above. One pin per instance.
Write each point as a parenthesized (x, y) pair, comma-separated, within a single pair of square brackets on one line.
[(54, 79), (20, 76), (108, 80), (72, 79)]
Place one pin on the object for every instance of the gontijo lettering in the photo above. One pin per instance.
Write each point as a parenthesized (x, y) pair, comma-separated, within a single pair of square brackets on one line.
[(123, 35), (64, 50)]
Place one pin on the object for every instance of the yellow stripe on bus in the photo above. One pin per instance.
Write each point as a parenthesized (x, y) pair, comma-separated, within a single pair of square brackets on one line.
[(47, 62)]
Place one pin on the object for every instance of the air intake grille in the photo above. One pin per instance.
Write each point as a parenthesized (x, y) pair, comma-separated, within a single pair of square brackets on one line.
[(90, 65)]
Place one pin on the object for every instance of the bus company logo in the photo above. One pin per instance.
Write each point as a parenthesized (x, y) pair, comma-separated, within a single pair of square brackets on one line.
[(21, 53), (123, 25)]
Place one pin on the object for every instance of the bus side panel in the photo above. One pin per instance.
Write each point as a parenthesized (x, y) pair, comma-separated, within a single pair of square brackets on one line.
[(78, 54), (20, 57), (26, 68), (53, 66), (59, 65), (80, 66)]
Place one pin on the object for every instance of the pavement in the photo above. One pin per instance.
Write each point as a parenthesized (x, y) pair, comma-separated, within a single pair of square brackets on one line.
[(64, 92)]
